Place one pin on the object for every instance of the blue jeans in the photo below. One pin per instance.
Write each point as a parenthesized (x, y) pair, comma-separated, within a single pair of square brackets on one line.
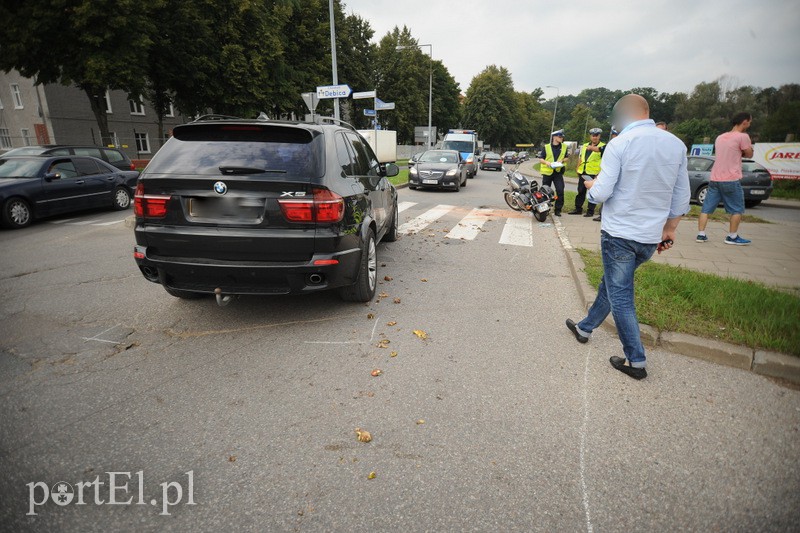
[(730, 193), (621, 258)]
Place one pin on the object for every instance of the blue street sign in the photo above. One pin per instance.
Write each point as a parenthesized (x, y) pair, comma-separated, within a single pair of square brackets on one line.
[(369, 113)]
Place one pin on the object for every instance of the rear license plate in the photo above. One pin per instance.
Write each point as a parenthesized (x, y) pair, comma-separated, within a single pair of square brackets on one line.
[(232, 209), (758, 192), (542, 207), (430, 182)]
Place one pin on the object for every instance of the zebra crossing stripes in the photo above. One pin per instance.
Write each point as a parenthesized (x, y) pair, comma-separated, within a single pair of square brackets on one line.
[(517, 232), (425, 219), (471, 225), (402, 206)]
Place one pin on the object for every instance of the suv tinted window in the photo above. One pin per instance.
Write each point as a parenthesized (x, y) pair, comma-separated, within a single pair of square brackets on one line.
[(365, 163), (286, 153), (344, 154), (58, 151)]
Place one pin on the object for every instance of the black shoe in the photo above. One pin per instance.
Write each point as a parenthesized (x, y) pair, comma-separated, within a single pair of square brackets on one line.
[(558, 213), (598, 218), (619, 364), (574, 329), (589, 214), (575, 212)]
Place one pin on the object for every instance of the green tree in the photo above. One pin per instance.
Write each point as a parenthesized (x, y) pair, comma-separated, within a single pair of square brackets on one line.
[(95, 46), (401, 76), (446, 98), (490, 106), (581, 120), (695, 131), (781, 123)]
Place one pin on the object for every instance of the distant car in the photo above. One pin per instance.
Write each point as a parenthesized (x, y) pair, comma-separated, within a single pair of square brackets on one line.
[(112, 156), (523, 156), (491, 161), (510, 157), (440, 169), (756, 181), (35, 186)]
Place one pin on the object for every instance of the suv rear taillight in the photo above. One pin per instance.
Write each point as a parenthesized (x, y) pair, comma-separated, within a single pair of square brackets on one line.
[(324, 206), (133, 167), (149, 205)]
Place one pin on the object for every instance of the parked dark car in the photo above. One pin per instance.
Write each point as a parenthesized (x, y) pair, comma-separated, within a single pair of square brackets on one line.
[(232, 207), (439, 169), (756, 181), (523, 156), (491, 161), (510, 157), (112, 156), (35, 186)]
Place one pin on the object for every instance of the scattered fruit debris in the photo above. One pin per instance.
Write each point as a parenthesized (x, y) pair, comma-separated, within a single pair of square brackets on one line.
[(377, 372), (363, 436), (371, 475), (421, 334)]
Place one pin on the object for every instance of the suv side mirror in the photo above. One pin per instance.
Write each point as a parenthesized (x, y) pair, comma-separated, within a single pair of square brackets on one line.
[(50, 176), (391, 170)]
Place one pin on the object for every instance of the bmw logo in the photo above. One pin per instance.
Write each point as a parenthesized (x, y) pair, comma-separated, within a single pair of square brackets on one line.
[(220, 187)]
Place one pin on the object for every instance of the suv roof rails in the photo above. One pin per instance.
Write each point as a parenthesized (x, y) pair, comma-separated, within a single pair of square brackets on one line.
[(215, 117), (320, 120)]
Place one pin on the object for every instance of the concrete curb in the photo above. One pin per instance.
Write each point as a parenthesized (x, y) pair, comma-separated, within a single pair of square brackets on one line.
[(772, 364)]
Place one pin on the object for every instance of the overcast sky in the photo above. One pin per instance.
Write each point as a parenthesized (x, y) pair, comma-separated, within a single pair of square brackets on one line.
[(671, 45)]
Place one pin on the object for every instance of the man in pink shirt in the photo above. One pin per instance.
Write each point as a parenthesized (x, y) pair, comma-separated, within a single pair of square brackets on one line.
[(726, 174)]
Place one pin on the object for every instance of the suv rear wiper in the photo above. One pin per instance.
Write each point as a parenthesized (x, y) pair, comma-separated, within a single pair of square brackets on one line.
[(248, 170)]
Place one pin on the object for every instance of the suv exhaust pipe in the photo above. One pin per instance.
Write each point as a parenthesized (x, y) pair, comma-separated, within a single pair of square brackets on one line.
[(315, 279), (222, 301)]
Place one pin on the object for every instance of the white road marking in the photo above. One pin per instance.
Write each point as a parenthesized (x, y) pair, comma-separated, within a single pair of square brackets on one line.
[(402, 206), (83, 222), (103, 333), (517, 232), (562, 235), (425, 219), (110, 223), (470, 226), (585, 491), (62, 221)]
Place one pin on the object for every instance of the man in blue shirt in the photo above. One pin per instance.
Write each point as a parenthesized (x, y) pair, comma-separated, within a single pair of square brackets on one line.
[(644, 187)]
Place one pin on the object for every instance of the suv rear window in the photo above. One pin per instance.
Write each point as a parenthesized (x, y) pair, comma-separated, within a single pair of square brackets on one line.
[(285, 153)]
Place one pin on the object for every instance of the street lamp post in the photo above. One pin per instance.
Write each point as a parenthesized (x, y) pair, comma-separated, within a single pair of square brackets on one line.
[(553, 125), (430, 90), (334, 70)]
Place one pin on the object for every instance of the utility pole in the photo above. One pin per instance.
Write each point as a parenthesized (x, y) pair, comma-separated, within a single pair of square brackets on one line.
[(553, 125), (333, 59)]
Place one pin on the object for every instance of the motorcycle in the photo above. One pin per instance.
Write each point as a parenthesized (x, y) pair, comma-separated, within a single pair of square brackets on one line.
[(524, 195)]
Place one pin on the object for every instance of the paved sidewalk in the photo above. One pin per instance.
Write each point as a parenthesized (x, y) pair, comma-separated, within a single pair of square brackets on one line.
[(773, 258)]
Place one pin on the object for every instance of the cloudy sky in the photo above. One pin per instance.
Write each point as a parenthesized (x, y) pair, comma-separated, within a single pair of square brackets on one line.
[(668, 44)]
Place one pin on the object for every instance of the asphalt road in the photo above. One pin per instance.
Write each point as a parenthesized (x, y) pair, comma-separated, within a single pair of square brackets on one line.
[(524, 429)]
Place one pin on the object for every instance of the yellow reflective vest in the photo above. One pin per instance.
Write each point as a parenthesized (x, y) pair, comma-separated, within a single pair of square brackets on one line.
[(548, 156), (591, 165)]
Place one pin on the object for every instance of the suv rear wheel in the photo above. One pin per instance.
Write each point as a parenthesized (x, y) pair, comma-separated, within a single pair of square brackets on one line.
[(364, 288)]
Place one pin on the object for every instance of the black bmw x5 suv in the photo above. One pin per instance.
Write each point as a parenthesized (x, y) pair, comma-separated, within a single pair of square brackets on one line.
[(258, 207)]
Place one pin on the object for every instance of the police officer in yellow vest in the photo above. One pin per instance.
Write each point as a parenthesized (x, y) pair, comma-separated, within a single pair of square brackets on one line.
[(552, 166), (588, 169)]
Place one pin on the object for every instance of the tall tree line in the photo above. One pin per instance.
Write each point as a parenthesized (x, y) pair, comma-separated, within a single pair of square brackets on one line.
[(233, 57)]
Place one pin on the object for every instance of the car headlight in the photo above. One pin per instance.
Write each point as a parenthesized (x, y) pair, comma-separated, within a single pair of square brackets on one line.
[(452, 172), (413, 171), (470, 160)]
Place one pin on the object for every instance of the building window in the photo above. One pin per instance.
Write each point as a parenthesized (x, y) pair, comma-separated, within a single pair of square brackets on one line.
[(108, 102), (5, 138), (17, 95), (137, 107), (171, 112), (142, 143), (26, 137)]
